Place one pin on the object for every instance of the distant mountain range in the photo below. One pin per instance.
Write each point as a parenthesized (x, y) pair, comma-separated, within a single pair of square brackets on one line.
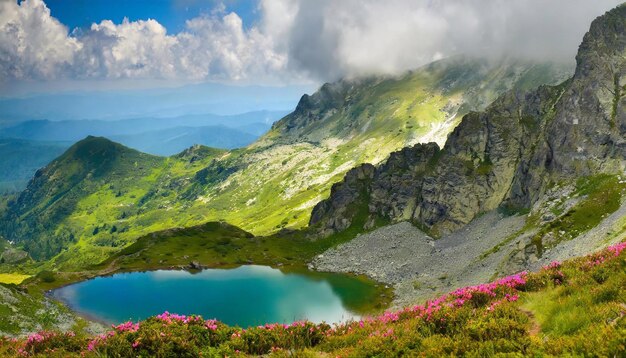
[(30, 145), (74, 130), (154, 103), (174, 140)]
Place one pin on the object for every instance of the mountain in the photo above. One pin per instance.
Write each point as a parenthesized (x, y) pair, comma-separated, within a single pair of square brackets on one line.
[(272, 184), (428, 102), (554, 156), (194, 99), (74, 130), (57, 188), (275, 182), (159, 136), (19, 159), (174, 140)]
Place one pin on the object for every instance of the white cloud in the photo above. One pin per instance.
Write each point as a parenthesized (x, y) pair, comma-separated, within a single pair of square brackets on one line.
[(139, 49), (32, 43), (292, 39), (229, 50)]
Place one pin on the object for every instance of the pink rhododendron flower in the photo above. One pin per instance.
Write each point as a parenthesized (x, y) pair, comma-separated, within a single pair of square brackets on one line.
[(127, 327), (618, 248)]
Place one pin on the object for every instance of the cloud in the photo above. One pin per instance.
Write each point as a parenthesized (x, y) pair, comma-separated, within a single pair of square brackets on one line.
[(329, 39), (131, 49), (292, 39), (32, 43)]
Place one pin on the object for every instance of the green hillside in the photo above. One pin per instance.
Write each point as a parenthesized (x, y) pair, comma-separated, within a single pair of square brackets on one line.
[(83, 207), (20, 159)]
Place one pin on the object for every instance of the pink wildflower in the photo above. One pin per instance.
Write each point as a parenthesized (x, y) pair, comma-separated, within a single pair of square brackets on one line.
[(211, 324), (552, 265), (618, 248), (127, 327)]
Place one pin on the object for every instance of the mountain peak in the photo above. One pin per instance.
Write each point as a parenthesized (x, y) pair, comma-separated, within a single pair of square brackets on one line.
[(506, 156), (91, 140), (57, 188), (605, 40), (417, 100), (198, 151), (96, 152)]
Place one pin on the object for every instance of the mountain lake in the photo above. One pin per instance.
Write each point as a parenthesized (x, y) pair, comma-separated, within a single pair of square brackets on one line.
[(245, 296)]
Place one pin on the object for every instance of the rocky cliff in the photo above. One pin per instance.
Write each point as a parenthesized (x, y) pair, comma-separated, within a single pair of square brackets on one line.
[(506, 156)]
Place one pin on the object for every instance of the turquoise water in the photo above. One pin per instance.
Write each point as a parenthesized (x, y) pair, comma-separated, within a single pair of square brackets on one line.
[(244, 296)]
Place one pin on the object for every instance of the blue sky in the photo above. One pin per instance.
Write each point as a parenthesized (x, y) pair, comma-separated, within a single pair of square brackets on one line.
[(171, 14)]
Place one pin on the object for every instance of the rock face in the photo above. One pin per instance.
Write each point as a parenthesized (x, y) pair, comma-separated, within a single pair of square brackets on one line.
[(507, 155), (315, 107), (13, 256)]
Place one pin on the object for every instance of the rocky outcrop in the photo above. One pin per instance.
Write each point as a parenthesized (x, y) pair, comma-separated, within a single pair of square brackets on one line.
[(13, 256), (508, 155), (314, 108), (348, 194)]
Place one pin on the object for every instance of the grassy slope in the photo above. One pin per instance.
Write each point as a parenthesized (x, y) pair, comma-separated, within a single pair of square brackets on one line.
[(24, 311), (19, 159), (591, 199), (272, 184), (12, 278), (598, 196), (105, 199), (571, 308)]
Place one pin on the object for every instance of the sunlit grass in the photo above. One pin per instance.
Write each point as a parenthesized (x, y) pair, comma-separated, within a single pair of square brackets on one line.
[(12, 278)]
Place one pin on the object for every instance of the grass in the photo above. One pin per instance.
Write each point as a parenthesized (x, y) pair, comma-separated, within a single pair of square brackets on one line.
[(575, 308), (601, 196), (29, 310), (590, 301), (12, 278)]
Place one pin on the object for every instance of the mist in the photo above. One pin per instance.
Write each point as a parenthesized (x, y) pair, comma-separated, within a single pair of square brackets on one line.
[(331, 39)]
